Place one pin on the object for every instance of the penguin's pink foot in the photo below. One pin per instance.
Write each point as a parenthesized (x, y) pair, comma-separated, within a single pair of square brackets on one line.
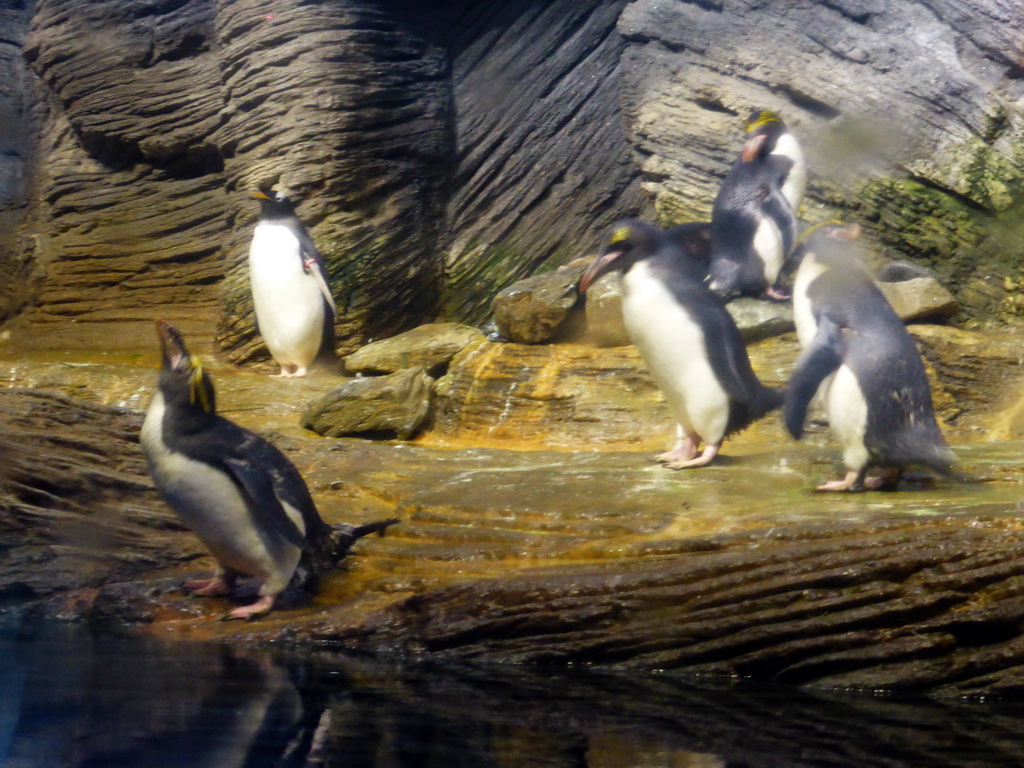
[(246, 612), (888, 478), (710, 451), (287, 371), (837, 486), (218, 585), (300, 372), (777, 294), (685, 451)]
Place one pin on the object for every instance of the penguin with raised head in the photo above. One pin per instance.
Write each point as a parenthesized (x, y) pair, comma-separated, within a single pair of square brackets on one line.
[(753, 220), (238, 493), (688, 340), (295, 311), (859, 355)]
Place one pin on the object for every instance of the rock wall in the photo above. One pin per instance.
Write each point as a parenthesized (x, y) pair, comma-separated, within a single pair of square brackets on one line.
[(908, 113), (15, 155), (442, 153)]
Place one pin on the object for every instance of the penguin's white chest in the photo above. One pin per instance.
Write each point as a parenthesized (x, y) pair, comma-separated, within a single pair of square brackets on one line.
[(803, 314), (796, 182), (769, 247), (287, 300), (210, 503), (673, 346)]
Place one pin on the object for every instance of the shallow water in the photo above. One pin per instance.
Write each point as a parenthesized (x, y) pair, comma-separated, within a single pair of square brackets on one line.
[(74, 699)]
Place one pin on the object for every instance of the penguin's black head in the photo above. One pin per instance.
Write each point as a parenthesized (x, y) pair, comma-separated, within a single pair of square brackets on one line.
[(631, 241), (274, 205), (184, 382), (763, 129)]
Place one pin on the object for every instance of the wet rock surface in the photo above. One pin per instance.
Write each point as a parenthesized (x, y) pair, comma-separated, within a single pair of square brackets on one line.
[(541, 555)]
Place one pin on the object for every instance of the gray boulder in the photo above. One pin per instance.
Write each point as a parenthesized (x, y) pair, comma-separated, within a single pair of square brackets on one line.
[(532, 311), (394, 405), (430, 347), (920, 298)]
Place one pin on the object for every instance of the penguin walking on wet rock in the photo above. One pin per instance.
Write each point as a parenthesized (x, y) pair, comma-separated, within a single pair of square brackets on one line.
[(235, 490), (753, 220), (688, 340), (295, 311), (859, 355)]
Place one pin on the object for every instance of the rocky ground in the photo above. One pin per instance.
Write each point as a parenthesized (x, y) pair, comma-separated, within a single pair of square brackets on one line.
[(544, 555)]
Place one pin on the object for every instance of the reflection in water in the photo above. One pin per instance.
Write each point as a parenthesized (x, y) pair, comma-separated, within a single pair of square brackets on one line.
[(72, 699)]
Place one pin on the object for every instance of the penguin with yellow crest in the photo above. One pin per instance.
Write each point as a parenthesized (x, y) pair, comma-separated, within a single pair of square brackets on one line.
[(688, 340), (753, 220), (239, 494)]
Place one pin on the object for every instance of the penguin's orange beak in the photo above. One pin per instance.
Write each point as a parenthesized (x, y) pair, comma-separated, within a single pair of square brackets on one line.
[(600, 266), (753, 147), (260, 196)]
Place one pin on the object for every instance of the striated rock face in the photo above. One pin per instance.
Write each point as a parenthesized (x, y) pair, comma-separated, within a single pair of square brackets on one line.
[(440, 154), (902, 109), (15, 155), (544, 166)]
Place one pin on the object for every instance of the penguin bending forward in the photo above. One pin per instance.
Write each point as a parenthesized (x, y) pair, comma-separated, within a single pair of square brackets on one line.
[(295, 311), (235, 490), (688, 340), (753, 220), (859, 355)]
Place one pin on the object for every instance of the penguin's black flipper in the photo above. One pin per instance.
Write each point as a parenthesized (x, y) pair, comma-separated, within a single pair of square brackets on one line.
[(259, 486), (822, 357), (310, 253), (778, 209)]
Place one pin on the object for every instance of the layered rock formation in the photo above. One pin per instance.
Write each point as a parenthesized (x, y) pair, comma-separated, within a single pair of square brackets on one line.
[(440, 154)]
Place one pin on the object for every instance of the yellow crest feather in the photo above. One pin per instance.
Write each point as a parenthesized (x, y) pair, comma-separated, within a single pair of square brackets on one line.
[(764, 117), (621, 234), (197, 387)]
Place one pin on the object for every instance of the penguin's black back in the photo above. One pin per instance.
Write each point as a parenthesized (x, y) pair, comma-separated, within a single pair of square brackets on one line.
[(752, 190), (248, 459), (883, 356)]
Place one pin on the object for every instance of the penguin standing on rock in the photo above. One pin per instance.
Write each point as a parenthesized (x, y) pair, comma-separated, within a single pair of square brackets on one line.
[(688, 340), (235, 490), (295, 311), (753, 221), (858, 353)]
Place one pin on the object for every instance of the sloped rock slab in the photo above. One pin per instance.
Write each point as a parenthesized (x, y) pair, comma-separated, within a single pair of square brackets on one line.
[(394, 405), (532, 311), (920, 298), (430, 347)]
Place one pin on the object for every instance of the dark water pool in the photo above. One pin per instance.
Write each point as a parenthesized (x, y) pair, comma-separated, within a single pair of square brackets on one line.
[(69, 697)]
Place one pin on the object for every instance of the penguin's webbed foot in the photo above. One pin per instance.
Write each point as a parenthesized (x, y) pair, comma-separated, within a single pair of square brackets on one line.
[(776, 294), (686, 450), (246, 612), (218, 585), (710, 451), (886, 480), (853, 481)]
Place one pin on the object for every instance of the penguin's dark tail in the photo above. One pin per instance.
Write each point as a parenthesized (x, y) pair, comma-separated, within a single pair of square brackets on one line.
[(766, 400), (925, 446), (340, 538)]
